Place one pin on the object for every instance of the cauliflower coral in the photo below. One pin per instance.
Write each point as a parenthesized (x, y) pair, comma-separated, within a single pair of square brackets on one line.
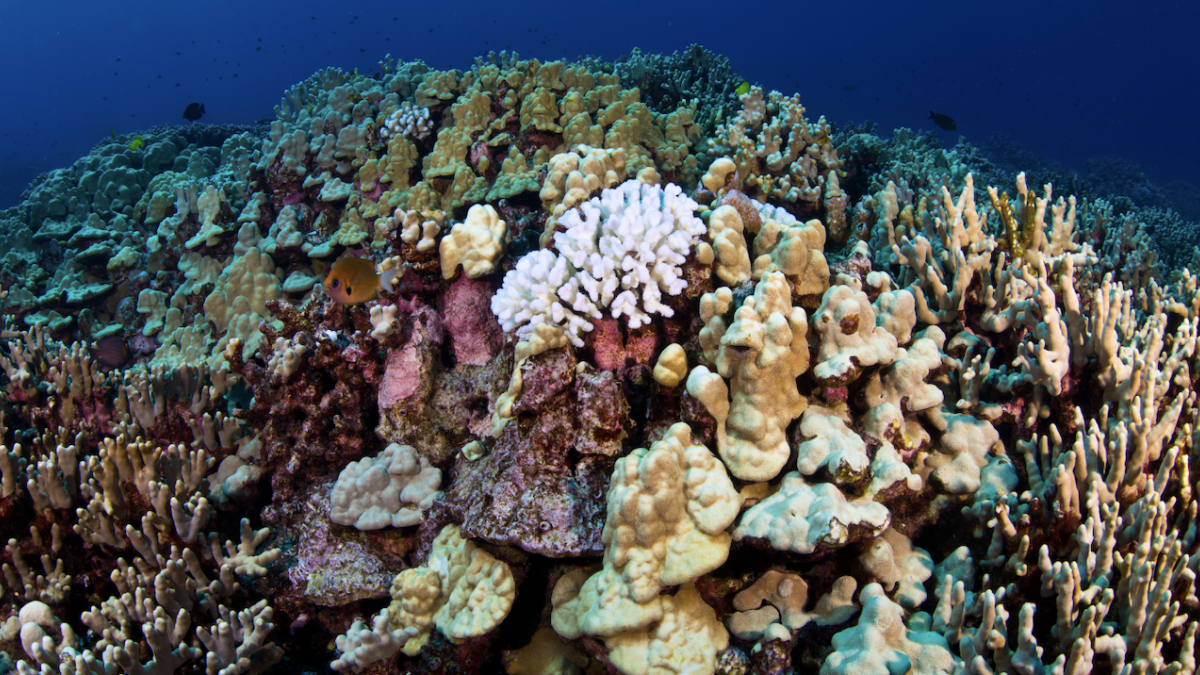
[(621, 251)]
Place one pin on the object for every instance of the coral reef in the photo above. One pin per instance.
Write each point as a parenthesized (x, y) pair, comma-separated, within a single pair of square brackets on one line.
[(668, 380), (693, 75)]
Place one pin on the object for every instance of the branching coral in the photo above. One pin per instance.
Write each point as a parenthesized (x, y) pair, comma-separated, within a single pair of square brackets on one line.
[(145, 505), (621, 251)]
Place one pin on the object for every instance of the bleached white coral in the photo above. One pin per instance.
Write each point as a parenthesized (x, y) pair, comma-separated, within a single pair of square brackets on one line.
[(634, 237), (621, 251), (529, 297), (409, 120)]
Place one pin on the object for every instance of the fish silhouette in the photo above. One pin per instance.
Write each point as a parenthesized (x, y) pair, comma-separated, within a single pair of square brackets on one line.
[(193, 111), (944, 121)]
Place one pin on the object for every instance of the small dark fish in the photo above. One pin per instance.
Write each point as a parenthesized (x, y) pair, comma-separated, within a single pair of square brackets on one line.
[(944, 121), (850, 87), (110, 352), (193, 111)]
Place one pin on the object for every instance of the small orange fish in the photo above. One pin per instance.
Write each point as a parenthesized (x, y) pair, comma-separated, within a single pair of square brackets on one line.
[(353, 280)]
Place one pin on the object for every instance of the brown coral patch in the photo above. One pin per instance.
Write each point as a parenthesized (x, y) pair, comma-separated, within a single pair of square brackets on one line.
[(541, 487)]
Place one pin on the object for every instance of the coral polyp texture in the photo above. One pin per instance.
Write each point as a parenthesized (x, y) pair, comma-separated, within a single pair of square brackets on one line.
[(666, 380)]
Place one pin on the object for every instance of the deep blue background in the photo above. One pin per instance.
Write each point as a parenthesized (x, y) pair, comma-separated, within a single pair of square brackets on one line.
[(1068, 80)]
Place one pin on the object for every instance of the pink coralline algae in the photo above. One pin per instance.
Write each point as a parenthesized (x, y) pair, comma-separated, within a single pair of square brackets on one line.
[(331, 571), (617, 348), (402, 375), (541, 484), (415, 386), (480, 154), (475, 336)]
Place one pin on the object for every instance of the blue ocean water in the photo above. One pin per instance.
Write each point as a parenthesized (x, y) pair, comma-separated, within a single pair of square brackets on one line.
[(1108, 88)]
